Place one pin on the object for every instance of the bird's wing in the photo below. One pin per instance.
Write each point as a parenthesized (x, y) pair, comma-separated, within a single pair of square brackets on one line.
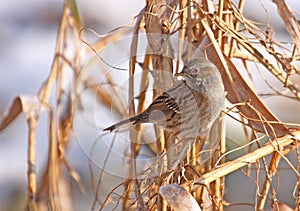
[(164, 107)]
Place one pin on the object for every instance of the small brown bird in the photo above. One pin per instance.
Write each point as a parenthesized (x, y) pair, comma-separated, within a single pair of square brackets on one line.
[(188, 108)]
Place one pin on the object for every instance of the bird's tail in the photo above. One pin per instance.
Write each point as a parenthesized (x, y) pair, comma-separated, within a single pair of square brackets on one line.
[(115, 126)]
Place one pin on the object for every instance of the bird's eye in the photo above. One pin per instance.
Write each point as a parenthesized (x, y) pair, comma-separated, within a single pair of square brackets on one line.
[(194, 71)]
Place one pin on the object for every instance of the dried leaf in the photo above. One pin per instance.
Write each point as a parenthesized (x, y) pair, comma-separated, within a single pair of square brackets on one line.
[(179, 198), (239, 92), (28, 104), (279, 206), (14, 111)]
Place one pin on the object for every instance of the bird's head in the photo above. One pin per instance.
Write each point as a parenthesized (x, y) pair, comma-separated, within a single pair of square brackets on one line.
[(199, 73)]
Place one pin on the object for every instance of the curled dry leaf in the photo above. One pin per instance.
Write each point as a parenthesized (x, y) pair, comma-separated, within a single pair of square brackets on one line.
[(30, 105), (279, 206), (179, 198)]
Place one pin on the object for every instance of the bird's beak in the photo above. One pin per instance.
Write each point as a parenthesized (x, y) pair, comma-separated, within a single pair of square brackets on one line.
[(181, 74)]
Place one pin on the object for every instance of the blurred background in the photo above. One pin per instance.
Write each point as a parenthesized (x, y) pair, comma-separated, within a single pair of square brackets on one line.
[(28, 33)]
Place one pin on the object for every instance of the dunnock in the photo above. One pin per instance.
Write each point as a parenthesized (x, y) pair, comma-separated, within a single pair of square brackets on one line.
[(188, 108)]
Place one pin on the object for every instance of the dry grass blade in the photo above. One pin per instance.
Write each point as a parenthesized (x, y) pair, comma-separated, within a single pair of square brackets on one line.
[(244, 42), (228, 167), (273, 168), (60, 123), (133, 133), (291, 23), (31, 107)]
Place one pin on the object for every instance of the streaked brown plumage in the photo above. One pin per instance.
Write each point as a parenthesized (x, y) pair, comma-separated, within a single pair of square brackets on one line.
[(190, 106)]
